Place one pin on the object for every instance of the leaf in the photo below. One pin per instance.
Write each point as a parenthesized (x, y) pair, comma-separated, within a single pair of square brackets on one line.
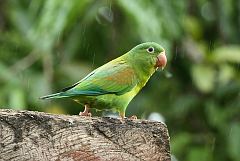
[(234, 141), (55, 108), (226, 73), (199, 154), (193, 27), (216, 116), (229, 53), (17, 99), (203, 77), (179, 142)]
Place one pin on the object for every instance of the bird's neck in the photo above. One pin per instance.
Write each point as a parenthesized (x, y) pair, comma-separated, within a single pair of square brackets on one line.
[(143, 72), (144, 75)]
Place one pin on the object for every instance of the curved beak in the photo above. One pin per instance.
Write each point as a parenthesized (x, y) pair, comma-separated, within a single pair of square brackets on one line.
[(161, 60)]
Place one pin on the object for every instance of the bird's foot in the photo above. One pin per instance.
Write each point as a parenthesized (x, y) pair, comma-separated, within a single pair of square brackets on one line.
[(86, 112), (133, 117), (122, 117)]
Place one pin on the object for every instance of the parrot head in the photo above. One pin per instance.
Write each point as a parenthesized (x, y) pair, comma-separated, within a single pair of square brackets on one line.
[(149, 54)]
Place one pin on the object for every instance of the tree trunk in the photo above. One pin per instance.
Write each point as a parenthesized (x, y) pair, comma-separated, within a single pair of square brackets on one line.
[(28, 135)]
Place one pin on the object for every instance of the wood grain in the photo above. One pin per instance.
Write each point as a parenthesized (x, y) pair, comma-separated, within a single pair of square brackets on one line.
[(29, 135)]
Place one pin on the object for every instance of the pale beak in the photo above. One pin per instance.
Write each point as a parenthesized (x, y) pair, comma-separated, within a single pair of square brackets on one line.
[(161, 60)]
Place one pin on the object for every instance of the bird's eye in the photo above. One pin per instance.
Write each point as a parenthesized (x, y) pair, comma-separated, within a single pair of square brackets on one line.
[(150, 50)]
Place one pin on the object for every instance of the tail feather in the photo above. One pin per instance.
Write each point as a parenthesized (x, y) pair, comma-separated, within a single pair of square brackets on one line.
[(55, 95)]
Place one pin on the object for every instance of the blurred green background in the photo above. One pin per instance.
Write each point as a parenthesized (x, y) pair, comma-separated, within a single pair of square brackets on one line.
[(47, 45)]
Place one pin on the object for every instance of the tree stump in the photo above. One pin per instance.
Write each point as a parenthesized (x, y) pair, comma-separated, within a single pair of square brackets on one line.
[(29, 135)]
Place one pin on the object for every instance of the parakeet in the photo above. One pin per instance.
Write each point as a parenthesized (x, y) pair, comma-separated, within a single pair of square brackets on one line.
[(114, 84)]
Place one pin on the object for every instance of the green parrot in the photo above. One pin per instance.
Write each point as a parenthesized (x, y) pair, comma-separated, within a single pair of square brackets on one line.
[(114, 85)]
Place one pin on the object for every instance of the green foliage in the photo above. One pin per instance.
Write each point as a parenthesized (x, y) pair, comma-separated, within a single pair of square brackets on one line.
[(47, 45)]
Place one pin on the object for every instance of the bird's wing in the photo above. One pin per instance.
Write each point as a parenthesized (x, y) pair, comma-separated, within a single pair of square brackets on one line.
[(114, 79)]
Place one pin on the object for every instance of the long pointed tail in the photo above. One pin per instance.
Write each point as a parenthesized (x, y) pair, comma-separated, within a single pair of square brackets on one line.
[(55, 95)]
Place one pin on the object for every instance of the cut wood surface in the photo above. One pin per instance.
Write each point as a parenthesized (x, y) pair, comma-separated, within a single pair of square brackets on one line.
[(30, 135)]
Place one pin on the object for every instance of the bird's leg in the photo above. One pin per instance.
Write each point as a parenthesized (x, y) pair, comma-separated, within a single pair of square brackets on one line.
[(122, 115), (86, 111)]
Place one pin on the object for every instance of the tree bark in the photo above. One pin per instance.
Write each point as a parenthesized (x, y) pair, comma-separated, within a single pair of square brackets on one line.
[(28, 135)]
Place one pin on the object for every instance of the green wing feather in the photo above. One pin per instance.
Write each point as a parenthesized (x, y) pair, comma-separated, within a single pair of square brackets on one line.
[(109, 79)]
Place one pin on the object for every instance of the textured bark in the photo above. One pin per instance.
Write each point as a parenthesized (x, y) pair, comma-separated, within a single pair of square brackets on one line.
[(28, 135)]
